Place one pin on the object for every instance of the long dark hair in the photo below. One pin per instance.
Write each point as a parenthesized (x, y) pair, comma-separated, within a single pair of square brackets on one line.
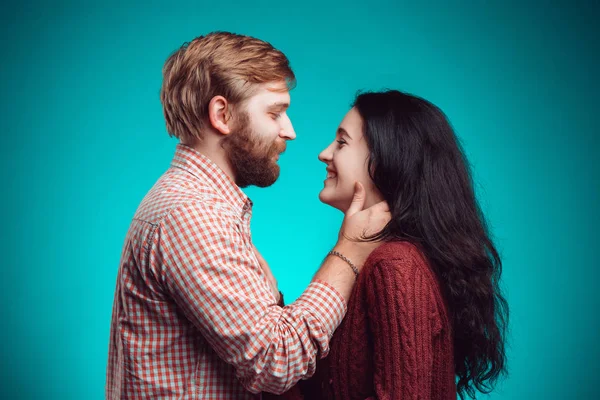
[(418, 165)]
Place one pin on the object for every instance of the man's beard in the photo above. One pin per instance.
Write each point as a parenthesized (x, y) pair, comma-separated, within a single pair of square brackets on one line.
[(253, 161)]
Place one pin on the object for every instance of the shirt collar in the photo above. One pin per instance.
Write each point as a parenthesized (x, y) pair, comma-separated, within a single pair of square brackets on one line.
[(205, 169)]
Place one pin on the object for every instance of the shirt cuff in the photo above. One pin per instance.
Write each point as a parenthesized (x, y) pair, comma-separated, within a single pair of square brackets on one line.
[(326, 303)]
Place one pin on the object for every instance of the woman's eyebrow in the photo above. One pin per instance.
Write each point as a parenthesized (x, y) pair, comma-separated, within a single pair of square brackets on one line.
[(342, 132)]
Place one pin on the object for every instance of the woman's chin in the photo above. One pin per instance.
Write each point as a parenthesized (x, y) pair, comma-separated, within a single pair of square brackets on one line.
[(323, 197), (332, 201)]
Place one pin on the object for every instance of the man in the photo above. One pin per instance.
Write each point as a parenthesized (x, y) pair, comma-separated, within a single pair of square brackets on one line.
[(196, 311)]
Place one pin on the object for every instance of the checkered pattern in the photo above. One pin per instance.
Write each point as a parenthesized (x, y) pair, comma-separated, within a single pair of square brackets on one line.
[(193, 315)]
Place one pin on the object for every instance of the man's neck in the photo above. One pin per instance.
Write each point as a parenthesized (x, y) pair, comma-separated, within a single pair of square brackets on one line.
[(213, 151)]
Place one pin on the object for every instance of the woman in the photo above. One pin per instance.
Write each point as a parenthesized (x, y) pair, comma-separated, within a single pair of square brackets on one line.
[(426, 318)]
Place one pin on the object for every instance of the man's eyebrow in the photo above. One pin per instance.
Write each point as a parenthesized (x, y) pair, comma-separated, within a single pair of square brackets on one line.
[(279, 106), (342, 132)]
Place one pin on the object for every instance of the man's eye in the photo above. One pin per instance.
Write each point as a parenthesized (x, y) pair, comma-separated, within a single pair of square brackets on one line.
[(276, 115)]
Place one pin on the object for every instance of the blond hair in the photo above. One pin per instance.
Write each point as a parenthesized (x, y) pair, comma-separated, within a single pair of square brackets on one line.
[(220, 63)]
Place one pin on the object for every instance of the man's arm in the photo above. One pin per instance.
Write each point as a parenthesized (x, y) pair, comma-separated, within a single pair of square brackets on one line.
[(209, 269), (207, 266)]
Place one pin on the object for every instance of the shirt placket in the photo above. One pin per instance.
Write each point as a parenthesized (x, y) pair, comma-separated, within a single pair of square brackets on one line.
[(246, 217)]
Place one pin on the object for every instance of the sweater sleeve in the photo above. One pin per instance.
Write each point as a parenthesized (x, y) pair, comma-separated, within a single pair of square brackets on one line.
[(400, 306)]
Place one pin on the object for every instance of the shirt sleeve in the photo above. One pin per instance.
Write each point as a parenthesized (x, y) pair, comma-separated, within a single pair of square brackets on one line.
[(207, 266), (401, 318)]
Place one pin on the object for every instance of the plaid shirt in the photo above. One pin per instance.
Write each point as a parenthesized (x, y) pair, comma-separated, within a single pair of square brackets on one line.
[(194, 316)]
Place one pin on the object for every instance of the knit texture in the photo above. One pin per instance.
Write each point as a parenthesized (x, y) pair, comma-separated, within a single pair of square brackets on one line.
[(395, 341)]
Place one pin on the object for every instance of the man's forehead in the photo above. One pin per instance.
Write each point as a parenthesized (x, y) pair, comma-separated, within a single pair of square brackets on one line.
[(277, 86), (271, 95)]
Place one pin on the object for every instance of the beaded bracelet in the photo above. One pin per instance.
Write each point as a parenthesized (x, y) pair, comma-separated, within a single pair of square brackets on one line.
[(343, 257)]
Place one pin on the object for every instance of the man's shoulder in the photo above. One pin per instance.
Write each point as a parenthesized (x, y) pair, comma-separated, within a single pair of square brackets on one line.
[(175, 193)]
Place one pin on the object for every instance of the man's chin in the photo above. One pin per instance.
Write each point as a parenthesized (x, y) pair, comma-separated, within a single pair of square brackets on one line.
[(263, 180), (272, 178), (264, 184)]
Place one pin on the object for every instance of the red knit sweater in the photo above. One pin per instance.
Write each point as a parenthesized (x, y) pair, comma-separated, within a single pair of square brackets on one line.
[(395, 341)]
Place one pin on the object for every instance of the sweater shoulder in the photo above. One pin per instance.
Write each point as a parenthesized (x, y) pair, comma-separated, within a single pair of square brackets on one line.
[(397, 255), (401, 269), (402, 263)]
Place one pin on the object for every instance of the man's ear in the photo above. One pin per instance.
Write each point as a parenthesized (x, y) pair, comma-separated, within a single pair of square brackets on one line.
[(219, 114)]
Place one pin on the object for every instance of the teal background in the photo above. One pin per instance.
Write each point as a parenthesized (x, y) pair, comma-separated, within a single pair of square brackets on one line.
[(83, 139)]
